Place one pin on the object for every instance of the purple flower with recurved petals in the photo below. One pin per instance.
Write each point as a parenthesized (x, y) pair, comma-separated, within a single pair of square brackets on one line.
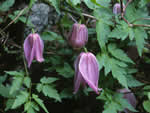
[(130, 98), (86, 71), (117, 8), (78, 36), (33, 48)]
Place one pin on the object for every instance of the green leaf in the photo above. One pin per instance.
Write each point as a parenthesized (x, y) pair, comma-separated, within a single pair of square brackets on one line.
[(16, 84), (122, 31), (51, 92), (4, 91), (27, 81), (48, 80), (6, 5), (118, 73), (31, 107), (90, 4), (55, 3), (118, 53), (39, 102), (20, 99), (146, 105), (103, 61), (50, 36), (102, 30), (66, 71), (140, 36), (9, 104), (39, 87), (15, 73), (132, 82), (75, 2), (2, 79)]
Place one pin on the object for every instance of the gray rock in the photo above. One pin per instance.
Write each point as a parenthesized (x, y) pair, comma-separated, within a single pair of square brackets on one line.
[(39, 16)]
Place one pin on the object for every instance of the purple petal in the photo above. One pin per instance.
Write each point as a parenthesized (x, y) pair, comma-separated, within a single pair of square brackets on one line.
[(88, 67), (78, 79), (39, 46), (28, 48)]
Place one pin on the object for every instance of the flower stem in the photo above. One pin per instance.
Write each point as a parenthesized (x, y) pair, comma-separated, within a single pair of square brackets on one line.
[(25, 66), (85, 49)]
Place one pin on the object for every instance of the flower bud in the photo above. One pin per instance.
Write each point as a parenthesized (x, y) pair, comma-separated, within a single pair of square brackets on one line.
[(117, 8), (78, 35), (129, 96), (86, 72), (33, 48)]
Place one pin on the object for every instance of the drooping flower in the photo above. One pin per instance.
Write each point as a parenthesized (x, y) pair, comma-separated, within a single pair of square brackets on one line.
[(78, 36), (33, 48), (117, 8), (86, 71), (127, 94)]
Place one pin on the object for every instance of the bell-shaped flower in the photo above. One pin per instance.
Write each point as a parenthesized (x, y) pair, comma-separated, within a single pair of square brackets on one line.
[(33, 48), (117, 8), (130, 97), (78, 36), (86, 71)]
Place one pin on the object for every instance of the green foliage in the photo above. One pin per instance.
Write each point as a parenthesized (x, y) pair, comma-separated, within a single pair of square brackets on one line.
[(65, 71), (146, 105), (27, 81), (31, 107), (140, 36), (20, 99), (54, 3), (48, 88), (114, 102), (6, 5), (39, 102)]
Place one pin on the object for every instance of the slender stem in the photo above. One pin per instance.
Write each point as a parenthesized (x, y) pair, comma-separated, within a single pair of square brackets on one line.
[(72, 18), (85, 49), (25, 65)]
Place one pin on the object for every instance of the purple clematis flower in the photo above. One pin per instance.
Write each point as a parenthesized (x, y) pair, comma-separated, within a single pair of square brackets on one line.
[(130, 98), (33, 48), (117, 8), (78, 36), (86, 72)]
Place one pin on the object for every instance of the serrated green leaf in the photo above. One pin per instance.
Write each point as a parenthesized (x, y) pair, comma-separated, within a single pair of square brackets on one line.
[(48, 80), (66, 71), (2, 79), (50, 36), (146, 105), (140, 36), (39, 102), (118, 73), (9, 104), (122, 31), (20, 99), (118, 53), (4, 91), (16, 84), (51, 92), (90, 4), (6, 5), (55, 3), (132, 82), (75, 2), (14, 73), (102, 30), (31, 107), (27, 81), (39, 87)]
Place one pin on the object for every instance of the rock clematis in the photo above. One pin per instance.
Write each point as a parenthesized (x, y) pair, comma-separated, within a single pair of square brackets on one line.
[(78, 36), (117, 8), (86, 72), (33, 48), (130, 98)]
